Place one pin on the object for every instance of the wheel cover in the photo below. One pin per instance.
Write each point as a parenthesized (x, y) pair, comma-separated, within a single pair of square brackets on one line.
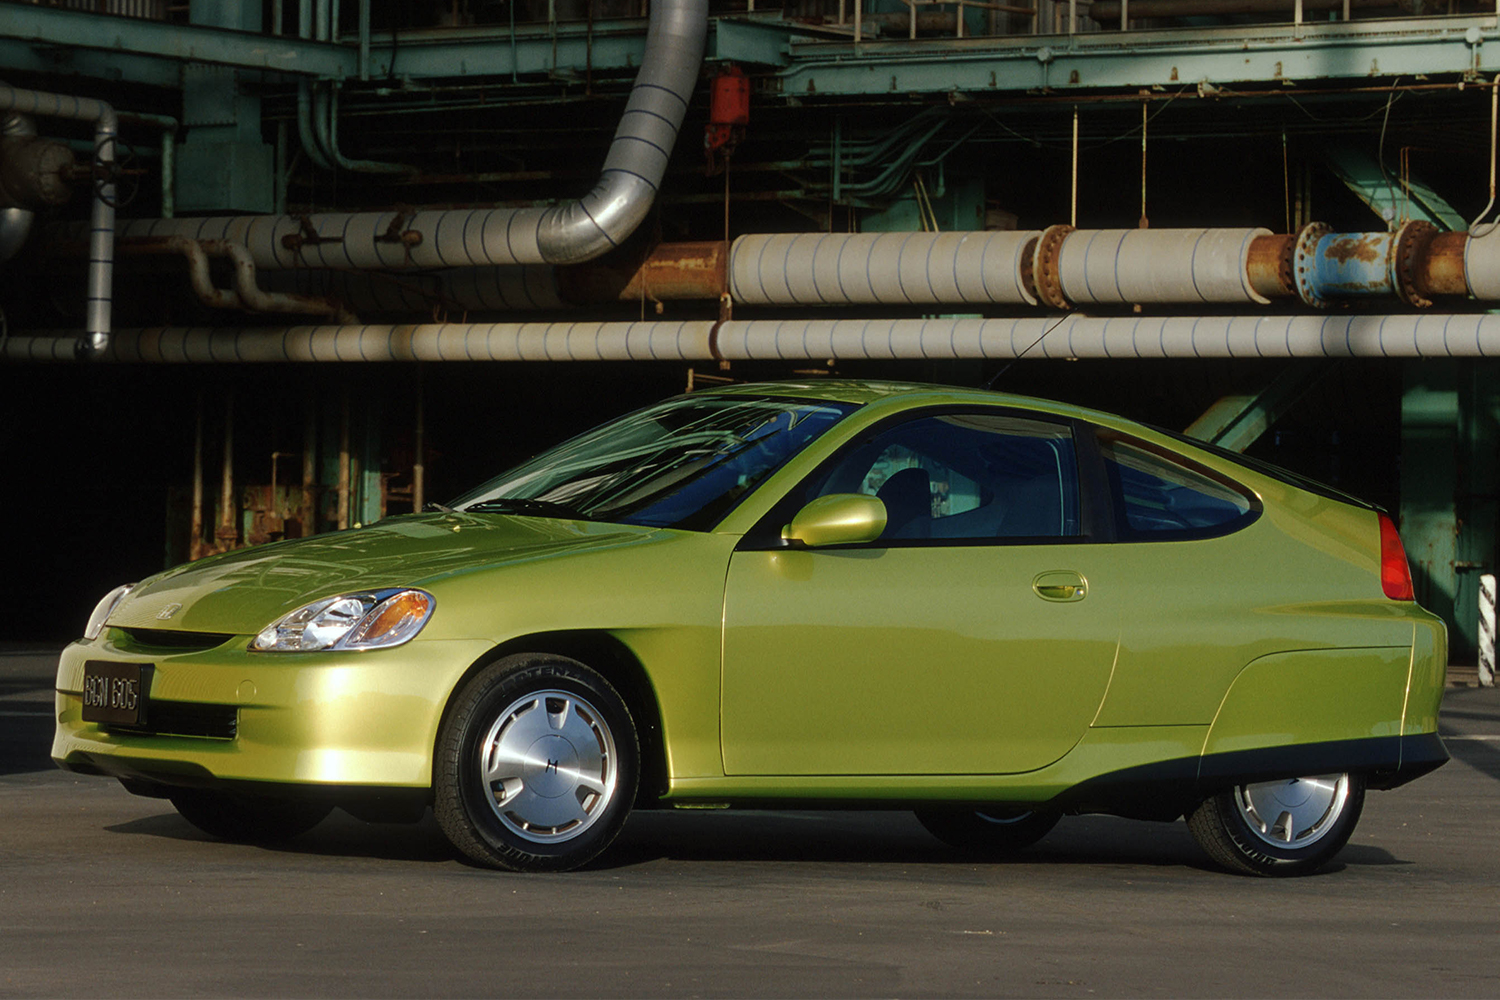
[(1296, 812), (547, 767)]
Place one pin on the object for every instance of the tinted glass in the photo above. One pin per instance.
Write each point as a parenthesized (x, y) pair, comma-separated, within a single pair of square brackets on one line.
[(1154, 495), (966, 477), (684, 463)]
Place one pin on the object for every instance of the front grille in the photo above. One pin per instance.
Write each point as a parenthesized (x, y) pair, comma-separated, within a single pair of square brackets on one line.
[(174, 639), (185, 718)]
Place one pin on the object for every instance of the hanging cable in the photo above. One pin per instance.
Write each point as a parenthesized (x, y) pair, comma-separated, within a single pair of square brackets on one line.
[(1474, 227)]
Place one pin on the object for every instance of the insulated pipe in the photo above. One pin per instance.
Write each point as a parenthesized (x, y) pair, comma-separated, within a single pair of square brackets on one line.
[(1482, 264), (882, 269), (577, 231), (102, 224), (15, 223), (1151, 266), (1067, 337)]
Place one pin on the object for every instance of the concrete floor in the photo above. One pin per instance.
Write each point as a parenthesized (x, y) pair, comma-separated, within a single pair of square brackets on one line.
[(102, 893)]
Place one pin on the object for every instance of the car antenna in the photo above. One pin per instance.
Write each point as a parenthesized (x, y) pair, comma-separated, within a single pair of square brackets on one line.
[(996, 377)]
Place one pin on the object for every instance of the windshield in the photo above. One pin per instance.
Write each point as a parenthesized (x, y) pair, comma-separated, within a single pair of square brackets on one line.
[(684, 463)]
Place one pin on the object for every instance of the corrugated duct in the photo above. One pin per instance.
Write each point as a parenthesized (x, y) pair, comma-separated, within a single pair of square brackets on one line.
[(1072, 336), (575, 231)]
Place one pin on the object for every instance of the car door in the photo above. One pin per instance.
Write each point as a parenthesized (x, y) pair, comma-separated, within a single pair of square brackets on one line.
[(970, 638)]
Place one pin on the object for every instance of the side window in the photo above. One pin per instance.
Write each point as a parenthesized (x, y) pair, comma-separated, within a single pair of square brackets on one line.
[(966, 477), (1156, 497)]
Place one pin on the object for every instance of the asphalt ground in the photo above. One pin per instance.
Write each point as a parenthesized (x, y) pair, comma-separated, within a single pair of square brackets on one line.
[(106, 894)]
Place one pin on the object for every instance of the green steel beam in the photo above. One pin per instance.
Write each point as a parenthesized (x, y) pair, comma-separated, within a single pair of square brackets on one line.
[(1207, 58), (1385, 194), (51, 39), (1237, 422), (1429, 486), (128, 36)]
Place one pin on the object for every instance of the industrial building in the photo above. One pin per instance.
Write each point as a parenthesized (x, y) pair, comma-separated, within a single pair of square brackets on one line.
[(273, 267)]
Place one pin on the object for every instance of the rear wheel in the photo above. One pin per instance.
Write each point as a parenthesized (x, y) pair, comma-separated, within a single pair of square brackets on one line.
[(996, 830), (537, 765), (249, 819), (1292, 826)]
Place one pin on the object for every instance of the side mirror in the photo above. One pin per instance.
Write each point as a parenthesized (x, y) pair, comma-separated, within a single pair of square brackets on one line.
[(837, 519)]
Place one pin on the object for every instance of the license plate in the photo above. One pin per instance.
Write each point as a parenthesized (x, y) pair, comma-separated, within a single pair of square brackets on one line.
[(116, 692)]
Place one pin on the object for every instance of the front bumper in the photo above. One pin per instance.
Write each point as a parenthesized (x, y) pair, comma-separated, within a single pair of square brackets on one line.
[(335, 719)]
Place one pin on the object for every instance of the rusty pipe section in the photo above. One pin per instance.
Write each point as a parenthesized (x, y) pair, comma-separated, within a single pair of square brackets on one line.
[(1059, 268), (246, 294)]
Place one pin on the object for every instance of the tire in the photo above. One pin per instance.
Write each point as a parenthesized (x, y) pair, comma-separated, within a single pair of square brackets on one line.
[(536, 766), (1289, 827), (248, 819), (994, 831)]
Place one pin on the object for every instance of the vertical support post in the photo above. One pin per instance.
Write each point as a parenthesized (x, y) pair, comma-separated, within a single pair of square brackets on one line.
[(1487, 630), (1073, 16), (364, 39), (1073, 199), (195, 545), (310, 468), (838, 159), (419, 463), (1124, 15), (1346, 10), (343, 510), (1144, 120), (859, 24), (1297, 19), (226, 534)]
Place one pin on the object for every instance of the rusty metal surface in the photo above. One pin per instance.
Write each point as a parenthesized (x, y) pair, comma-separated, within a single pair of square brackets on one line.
[(1439, 269), (1303, 263), (671, 271), (1269, 266), (1047, 271), (1412, 241)]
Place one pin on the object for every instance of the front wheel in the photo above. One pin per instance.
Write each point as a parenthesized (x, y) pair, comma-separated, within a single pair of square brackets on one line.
[(537, 765), (1293, 826), (997, 830)]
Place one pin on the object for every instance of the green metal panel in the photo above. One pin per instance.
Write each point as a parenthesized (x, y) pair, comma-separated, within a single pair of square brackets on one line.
[(1170, 59), (1429, 476), (1237, 422), (959, 207), (1383, 191)]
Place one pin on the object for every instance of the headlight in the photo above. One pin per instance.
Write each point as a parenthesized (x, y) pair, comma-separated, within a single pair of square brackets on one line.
[(102, 611), (370, 620)]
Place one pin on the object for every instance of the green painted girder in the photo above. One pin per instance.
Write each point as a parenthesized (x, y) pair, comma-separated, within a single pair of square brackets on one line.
[(1237, 422), (1168, 59), (50, 39), (1386, 194)]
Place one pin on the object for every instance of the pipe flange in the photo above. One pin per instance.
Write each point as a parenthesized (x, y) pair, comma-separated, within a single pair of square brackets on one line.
[(1303, 256), (1412, 241), (1046, 267)]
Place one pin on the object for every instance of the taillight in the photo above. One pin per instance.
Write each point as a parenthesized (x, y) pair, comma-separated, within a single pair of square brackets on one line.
[(1395, 574)]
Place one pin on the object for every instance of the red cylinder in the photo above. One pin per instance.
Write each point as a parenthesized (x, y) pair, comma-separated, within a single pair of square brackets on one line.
[(729, 101)]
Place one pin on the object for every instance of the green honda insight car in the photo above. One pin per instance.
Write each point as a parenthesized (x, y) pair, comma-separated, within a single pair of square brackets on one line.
[(988, 609)]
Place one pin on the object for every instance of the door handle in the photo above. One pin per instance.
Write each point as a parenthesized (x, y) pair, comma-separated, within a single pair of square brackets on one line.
[(1060, 585)]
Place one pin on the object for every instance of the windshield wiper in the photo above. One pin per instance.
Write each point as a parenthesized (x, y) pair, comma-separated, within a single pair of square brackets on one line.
[(433, 505), (519, 505)]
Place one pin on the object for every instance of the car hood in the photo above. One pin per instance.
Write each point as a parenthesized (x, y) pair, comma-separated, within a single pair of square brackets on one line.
[(242, 592)]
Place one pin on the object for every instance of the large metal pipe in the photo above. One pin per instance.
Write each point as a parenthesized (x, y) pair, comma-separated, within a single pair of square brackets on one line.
[(15, 222), (1150, 266), (882, 268), (1071, 336), (576, 231), (102, 225)]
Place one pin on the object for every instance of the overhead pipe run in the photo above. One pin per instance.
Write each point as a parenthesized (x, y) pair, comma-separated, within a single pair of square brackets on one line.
[(563, 234), (1073, 336), (102, 223)]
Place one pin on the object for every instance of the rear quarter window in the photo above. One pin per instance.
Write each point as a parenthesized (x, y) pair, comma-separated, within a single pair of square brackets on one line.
[(1157, 496)]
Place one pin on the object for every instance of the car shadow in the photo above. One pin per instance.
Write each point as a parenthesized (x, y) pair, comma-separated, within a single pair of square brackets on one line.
[(751, 836)]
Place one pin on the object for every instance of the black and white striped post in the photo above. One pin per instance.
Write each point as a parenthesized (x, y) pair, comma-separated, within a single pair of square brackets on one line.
[(1487, 630)]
